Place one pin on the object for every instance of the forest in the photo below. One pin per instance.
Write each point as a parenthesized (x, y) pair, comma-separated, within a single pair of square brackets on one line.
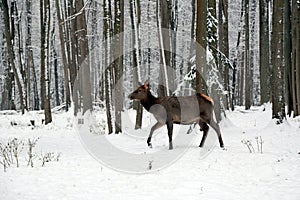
[(72, 70), (90, 54)]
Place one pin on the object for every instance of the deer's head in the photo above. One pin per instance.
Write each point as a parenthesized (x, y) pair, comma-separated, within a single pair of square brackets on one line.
[(140, 93)]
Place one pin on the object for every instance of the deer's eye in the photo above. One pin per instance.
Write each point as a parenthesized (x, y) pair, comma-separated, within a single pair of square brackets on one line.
[(139, 90)]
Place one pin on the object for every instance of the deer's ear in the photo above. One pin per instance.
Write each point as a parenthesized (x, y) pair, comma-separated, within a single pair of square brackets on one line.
[(146, 84)]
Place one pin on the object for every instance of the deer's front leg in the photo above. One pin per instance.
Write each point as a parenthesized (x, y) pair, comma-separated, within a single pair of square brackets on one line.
[(156, 126), (170, 133)]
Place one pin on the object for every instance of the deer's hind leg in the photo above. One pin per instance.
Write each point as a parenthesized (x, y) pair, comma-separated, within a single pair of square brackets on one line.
[(204, 127), (216, 127), (156, 126), (170, 133)]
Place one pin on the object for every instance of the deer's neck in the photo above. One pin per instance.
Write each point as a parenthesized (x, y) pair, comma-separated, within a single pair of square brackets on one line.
[(149, 101)]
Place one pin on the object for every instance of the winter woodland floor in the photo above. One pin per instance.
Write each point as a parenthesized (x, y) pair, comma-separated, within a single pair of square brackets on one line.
[(233, 173)]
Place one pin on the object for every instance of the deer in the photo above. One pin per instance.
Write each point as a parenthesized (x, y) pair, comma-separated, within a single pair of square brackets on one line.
[(185, 110)]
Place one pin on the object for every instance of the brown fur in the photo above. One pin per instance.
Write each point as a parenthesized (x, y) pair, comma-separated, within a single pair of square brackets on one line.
[(185, 110), (207, 98)]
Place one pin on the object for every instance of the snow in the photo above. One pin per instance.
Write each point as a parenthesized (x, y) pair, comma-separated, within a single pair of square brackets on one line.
[(208, 173)]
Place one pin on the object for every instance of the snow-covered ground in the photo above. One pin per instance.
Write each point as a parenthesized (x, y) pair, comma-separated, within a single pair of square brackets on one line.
[(208, 173)]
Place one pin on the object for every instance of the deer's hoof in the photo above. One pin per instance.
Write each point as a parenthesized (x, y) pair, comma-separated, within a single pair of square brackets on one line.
[(170, 146), (149, 142)]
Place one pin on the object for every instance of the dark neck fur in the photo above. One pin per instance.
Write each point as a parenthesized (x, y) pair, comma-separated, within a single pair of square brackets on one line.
[(150, 101)]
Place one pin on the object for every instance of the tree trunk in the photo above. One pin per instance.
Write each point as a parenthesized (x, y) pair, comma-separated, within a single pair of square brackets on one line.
[(248, 85), (238, 64), (242, 78), (192, 44), (31, 74), (163, 24), (277, 61), (118, 63), (20, 54), (106, 39), (136, 62), (264, 49), (56, 79), (213, 46), (224, 48), (7, 100), (45, 19), (173, 26), (72, 52), (63, 54), (11, 52), (201, 34), (252, 40), (296, 56), (29, 52), (287, 49), (83, 56)]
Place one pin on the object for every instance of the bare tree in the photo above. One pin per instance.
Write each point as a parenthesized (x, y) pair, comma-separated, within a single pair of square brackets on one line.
[(193, 36), (277, 85), (287, 55), (248, 78), (83, 55), (213, 40), (10, 49), (224, 48), (118, 63), (173, 32), (296, 56), (63, 54), (163, 23), (264, 49), (45, 23), (136, 62), (31, 74), (18, 41), (7, 102), (201, 33), (106, 38)]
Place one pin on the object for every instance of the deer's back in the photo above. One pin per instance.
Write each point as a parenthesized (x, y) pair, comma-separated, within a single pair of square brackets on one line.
[(183, 109)]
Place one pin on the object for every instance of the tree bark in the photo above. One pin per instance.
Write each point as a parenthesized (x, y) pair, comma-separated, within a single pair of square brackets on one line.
[(264, 49), (248, 85), (277, 61), (44, 17), (63, 54), (287, 49), (224, 48), (11, 53), (136, 63), (118, 63), (83, 56), (106, 39), (296, 56), (163, 23), (201, 34)]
